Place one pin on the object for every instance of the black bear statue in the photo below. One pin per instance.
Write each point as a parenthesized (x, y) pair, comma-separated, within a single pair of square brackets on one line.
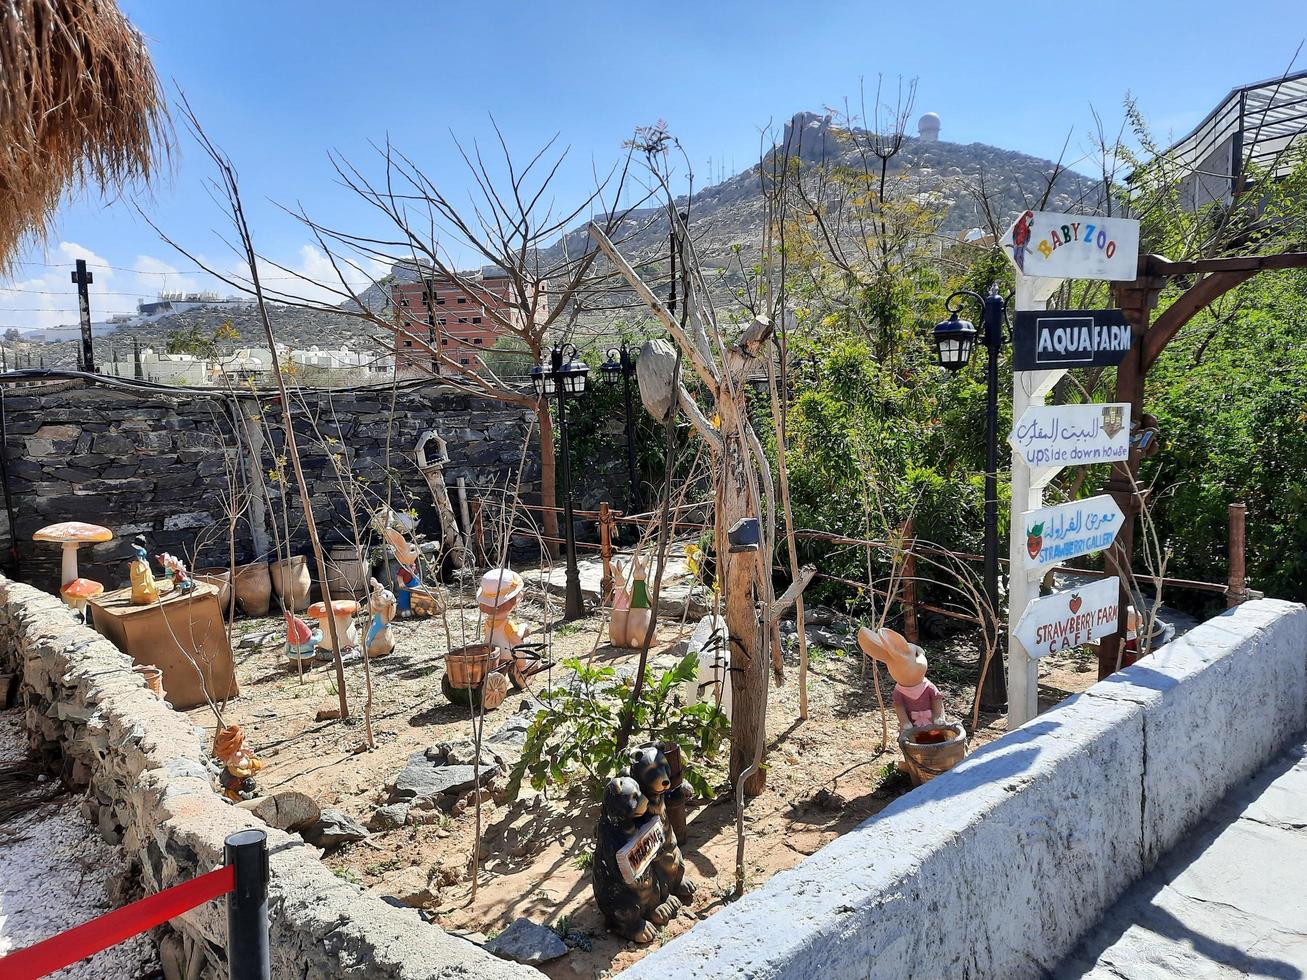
[(630, 893), (651, 772)]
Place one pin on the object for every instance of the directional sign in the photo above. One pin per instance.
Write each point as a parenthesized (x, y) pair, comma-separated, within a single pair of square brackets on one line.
[(1073, 246), (1070, 618), (1072, 435), (1082, 527), (1070, 338)]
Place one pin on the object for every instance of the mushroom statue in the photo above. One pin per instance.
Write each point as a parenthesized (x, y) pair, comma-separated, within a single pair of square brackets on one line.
[(79, 592), (342, 610), (72, 535)]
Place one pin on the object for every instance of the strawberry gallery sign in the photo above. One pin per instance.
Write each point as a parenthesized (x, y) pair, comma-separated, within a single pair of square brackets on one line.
[(1072, 435), (1071, 618), (1073, 246), (1081, 527)]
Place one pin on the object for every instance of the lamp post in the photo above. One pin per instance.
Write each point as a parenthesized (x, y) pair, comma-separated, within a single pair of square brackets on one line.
[(954, 340), (620, 362), (565, 378)]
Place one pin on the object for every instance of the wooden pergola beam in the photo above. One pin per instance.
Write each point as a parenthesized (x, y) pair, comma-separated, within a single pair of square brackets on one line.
[(1191, 302)]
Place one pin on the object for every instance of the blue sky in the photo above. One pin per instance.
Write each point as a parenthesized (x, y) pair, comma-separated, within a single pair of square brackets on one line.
[(279, 83)]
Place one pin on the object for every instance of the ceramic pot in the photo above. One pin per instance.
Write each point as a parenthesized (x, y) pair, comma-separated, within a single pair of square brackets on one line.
[(253, 588), (347, 572), (220, 579), (291, 581), (153, 678)]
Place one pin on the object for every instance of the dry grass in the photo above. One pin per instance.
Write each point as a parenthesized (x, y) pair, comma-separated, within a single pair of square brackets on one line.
[(79, 105)]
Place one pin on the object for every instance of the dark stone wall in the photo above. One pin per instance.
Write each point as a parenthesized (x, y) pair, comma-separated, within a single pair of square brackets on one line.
[(165, 464)]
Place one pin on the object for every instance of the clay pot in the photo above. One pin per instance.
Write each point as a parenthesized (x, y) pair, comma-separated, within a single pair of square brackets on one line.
[(153, 677), (291, 581), (929, 750), (347, 572), (253, 588), (219, 578)]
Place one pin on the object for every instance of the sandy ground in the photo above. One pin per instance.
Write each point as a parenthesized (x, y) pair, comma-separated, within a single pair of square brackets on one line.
[(825, 776), (54, 872)]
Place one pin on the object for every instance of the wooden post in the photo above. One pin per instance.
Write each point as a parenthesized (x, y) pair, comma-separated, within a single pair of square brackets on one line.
[(1237, 591), (908, 592), (605, 548)]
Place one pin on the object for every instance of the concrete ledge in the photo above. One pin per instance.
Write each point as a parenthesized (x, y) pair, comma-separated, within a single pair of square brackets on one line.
[(142, 766), (994, 869)]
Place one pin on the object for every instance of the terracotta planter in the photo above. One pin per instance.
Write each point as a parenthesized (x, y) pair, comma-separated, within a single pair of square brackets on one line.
[(253, 588), (291, 581), (347, 573), (930, 750), (153, 678), (220, 579)]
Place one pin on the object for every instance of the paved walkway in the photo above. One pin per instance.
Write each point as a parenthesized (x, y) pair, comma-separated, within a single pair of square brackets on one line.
[(1231, 901)]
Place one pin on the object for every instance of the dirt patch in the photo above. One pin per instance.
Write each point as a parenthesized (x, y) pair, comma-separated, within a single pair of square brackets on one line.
[(825, 776)]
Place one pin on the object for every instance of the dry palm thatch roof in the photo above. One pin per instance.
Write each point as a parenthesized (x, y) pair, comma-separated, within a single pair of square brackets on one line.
[(79, 104)]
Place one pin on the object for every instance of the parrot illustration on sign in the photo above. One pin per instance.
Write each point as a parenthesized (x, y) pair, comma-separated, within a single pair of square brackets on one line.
[(1021, 238)]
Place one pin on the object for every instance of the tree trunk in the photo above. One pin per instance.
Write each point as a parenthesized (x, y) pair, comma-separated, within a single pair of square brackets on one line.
[(548, 492)]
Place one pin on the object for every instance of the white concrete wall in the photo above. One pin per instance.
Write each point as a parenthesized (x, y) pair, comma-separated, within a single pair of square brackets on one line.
[(994, 869)]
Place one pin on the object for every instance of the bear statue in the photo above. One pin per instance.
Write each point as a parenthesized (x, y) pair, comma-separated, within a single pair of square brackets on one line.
[(632, 906), (649, 769)]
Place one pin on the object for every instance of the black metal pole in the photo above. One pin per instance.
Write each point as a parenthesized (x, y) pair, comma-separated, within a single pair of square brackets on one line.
[(83, 278), (248, 955), (573, 604), (993, 695), (633, 479)]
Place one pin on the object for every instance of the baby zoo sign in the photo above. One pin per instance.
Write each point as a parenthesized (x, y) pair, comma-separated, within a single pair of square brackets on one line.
[(1073, 246), (1070, 618)]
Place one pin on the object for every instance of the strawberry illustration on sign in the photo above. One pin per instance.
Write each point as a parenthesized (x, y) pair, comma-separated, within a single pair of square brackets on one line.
[(1035, 539), (1075, 603)]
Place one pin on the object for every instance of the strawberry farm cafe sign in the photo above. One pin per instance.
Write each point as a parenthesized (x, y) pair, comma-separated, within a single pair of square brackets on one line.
[(1072, 435), (1073, 246), (1071, 618), (1082, 527)]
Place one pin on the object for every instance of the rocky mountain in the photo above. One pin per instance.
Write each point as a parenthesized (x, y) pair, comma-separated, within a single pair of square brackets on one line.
[(723, 218)]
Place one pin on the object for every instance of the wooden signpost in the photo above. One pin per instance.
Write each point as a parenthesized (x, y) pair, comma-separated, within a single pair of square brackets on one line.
[(1070, 618), (1046, 248), (1082, 527)]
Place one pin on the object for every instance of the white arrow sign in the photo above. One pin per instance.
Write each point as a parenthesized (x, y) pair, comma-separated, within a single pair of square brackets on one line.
[(1073, 246), (1082, 527), (1071, 618), (1072, 435)]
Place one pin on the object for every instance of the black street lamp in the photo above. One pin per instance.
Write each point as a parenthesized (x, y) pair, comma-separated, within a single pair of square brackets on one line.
[(620, 363), (565, 378), (954, 340)]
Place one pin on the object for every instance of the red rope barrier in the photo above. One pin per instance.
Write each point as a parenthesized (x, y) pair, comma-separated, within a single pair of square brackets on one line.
[(113, 927)]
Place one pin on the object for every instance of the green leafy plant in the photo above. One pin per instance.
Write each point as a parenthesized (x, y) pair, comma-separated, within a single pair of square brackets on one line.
[(574, 736)]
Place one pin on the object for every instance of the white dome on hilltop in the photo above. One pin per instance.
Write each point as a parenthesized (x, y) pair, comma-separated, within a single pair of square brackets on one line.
[(928, 126)]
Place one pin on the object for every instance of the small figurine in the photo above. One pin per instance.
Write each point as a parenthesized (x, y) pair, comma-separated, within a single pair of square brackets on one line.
[(175, 568), (300, 640), (497, 598), (239, 764), (628, 842), (413, 597), (617, 622), (144, 591), (637, 621), (652, 773), (381, 603), (917, 701)]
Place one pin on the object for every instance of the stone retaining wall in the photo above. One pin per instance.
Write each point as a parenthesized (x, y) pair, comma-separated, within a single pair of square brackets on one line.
[(996, 868), (141, 766), (158, 463)]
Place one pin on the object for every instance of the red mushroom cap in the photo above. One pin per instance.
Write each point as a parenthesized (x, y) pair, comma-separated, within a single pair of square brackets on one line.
[(82, 588), (73, 531), (339, 607)]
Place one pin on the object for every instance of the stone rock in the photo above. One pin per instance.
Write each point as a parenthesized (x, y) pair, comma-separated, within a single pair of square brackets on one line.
[(443, 770), (333, 828), (172, 957), (390, 816), (328, 712), (510, 738), (412, 886), (289, 810), (528, 942)]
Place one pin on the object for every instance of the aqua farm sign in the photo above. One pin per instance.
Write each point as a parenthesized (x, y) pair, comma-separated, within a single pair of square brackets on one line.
[(1069, 338), (1070, 618), (1072, 435), (1057, 534), (1073, 246)]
